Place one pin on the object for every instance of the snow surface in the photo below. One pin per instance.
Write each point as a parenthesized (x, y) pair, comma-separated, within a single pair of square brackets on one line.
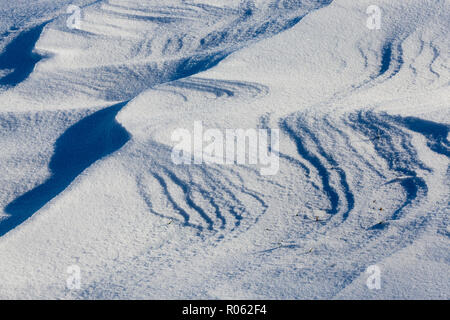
[(86, 176)]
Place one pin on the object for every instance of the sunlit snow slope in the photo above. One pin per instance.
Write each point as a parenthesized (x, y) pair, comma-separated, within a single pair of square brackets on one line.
[(87, 178)]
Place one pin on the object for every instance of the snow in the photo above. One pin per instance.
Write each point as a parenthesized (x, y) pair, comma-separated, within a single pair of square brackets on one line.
[(87, 178)]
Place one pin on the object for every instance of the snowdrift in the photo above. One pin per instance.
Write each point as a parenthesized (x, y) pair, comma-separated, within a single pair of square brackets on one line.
[(87, 177)]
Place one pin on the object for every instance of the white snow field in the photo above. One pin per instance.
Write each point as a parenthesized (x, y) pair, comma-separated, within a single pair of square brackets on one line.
[(87, 177)]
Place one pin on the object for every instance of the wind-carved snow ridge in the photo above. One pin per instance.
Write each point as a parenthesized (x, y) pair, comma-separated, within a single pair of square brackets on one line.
[(412, 50), (435, 133), (319, 160), (339, 160), (129, 47), (368, 165), (394, 146), (87, 175), (207, 199), (87, 141), (157, 53), (220, 87)]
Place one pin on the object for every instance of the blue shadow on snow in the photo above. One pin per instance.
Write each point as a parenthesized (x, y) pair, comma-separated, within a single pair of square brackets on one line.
[(87, 141), (19, 56)]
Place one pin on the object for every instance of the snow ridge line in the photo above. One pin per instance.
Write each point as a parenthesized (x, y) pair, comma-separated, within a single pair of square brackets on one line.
[(92, 138), (200, 197), (64, 164)]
